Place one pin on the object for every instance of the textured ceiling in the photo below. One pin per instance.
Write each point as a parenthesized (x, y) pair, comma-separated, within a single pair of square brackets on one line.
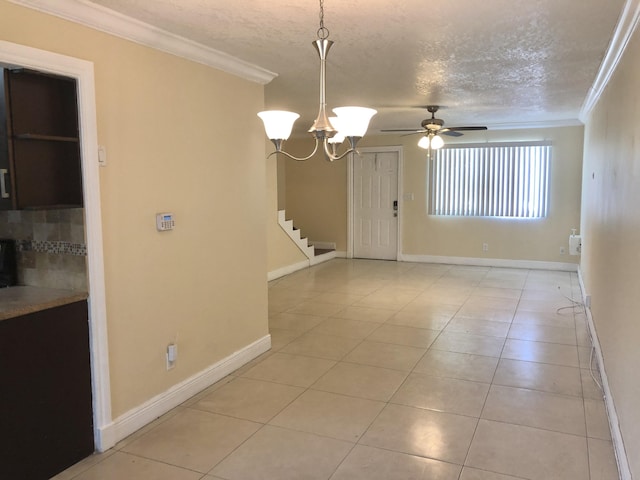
[(499, 63)]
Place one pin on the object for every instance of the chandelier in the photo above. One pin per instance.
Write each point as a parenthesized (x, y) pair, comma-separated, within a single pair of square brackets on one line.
[(350, 123)]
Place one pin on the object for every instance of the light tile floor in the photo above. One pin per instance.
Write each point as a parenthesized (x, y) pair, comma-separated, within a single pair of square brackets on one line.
[(385, 370)]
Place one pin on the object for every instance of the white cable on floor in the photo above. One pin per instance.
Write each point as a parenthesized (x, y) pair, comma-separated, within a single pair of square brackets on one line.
[(576, 303)]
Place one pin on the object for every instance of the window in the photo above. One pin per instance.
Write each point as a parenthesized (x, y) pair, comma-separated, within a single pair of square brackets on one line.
[(490, 180)]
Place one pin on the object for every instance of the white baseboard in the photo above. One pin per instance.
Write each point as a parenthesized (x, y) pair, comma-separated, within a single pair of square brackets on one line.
[(281, 272), (138, 417), (483, 262), (490, 262), (614, 426), (318, 259)]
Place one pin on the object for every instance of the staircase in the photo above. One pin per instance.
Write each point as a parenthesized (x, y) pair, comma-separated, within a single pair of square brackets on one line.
[(315, 257)]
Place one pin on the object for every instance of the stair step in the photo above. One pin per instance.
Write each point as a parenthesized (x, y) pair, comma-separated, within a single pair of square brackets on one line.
[(322, 251), (295, 234)]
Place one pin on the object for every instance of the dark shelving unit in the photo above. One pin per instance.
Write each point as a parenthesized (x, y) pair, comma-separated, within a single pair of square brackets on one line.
[(43, 147)]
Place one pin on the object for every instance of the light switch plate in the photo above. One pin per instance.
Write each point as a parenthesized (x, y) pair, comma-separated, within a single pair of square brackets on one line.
[(102, 155)]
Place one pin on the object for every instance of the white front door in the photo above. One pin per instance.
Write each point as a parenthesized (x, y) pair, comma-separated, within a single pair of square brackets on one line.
[(375, 205)]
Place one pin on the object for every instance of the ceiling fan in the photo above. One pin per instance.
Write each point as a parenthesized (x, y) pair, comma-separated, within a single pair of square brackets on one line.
[(432, 128)]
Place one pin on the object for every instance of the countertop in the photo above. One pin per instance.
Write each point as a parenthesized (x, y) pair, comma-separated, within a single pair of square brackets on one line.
[(16, 301)]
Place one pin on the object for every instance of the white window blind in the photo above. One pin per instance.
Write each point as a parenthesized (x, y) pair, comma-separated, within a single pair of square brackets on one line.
[(490, 180)]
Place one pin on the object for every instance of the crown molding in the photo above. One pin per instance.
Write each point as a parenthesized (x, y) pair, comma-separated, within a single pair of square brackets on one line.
[(565, 122), (625, 28), (100, 18)]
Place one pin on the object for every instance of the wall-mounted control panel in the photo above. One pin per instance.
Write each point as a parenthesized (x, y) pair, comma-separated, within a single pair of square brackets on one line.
[(165, 221)]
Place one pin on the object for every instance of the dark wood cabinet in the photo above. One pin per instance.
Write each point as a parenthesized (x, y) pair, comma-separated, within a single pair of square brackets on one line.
[(5, 179), (42, 149), (46, 419)]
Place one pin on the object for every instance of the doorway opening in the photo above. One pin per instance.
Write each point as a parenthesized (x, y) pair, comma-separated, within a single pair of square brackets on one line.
[(20, 56)]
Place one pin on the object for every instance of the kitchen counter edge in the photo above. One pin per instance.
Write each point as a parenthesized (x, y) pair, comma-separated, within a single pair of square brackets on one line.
[(23, 300)]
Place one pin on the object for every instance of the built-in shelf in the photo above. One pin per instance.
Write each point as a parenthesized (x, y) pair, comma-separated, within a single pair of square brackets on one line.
[(51, 138), (40, 147)]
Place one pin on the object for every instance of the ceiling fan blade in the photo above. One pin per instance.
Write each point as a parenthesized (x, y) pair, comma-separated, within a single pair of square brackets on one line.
[(466, 129), (450, 133), (420, 132), (412, 130), (455, 131)]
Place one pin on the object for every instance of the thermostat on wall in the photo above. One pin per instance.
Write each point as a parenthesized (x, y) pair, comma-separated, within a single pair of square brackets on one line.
[(164, 221)]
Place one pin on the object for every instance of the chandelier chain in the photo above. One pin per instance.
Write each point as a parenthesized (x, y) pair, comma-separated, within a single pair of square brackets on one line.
[(323, 32), (353, 120)]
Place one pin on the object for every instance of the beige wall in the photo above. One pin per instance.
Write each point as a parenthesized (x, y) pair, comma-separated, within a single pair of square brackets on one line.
[(171, 131), (282, 251), (281, 179), (611, 239), (317, 199), (316, 194)]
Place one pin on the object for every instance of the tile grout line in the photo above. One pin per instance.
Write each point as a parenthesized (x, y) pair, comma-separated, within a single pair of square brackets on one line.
[(475, 430)]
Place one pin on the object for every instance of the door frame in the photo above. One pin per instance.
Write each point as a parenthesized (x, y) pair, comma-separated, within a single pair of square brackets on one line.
[(15, 55), (350, 214)]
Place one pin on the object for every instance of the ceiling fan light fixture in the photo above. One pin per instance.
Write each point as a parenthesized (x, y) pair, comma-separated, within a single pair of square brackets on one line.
[(432, 130), (354, 121), (424, 142), (437, 142)]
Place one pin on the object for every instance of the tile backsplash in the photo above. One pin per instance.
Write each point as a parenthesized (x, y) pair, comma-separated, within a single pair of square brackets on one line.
[(52, 250)]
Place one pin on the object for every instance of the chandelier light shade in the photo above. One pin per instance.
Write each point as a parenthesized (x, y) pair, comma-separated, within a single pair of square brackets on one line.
[(351, 122), (354, 121), (278, 123), (338, 138)]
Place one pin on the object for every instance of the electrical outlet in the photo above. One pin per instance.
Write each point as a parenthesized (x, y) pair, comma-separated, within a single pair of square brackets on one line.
[(485, 247)]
